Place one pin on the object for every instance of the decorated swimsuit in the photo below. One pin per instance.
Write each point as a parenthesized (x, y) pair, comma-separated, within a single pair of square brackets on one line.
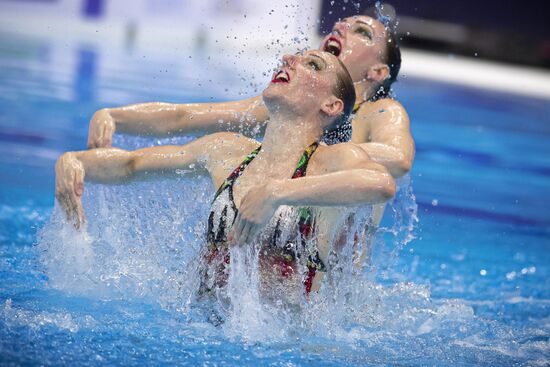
[(224, 212)]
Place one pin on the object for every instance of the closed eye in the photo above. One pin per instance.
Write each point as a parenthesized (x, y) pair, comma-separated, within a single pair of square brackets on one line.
[(314, 65), (364, 32)]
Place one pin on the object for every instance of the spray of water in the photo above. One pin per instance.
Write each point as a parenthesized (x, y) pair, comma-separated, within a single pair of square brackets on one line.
[(139, 242), (144, 241)]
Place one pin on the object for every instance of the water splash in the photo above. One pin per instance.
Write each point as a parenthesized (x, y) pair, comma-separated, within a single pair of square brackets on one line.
[(391, 238), (249, 314), (386, 14), (142, 243), (139, 242)]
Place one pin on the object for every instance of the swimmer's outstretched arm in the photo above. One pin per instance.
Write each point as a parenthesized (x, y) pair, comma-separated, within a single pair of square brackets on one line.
[(382, 130), (357, 181), (110, 165), (164, 119)]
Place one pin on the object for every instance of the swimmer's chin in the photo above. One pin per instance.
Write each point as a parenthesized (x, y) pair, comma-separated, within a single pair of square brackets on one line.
[(272, 96), (268, 94)]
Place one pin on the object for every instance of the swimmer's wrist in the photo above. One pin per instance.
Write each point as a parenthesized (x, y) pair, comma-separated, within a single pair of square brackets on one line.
[(278, 192)]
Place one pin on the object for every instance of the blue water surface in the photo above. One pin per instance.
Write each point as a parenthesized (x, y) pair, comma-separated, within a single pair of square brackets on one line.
[(470, 289)]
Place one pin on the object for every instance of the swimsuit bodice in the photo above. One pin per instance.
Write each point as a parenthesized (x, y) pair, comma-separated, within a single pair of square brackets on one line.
[(223, 213)]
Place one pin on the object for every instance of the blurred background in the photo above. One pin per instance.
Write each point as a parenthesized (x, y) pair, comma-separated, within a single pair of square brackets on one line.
[(475, 81), (503, 30), (493, 29), (76, 32)]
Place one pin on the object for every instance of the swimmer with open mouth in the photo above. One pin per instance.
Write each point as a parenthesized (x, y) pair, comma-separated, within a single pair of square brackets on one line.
[(310, 96), (380, 125)]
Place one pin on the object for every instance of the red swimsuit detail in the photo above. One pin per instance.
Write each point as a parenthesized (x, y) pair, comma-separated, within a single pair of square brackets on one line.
[(224, 212)]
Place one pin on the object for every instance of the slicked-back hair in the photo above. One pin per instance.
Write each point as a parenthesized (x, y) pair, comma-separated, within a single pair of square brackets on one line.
[(344, 89), (392, 57)]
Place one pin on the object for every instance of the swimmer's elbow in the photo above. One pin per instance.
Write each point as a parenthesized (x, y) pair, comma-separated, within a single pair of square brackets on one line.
[(376, 187), (401, 167)]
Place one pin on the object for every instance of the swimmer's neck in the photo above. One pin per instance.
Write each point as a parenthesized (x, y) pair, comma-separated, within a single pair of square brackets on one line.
[(365, 90), (287, 136)]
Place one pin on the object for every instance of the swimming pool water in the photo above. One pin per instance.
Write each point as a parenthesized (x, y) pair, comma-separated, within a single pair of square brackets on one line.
[(470, 289)]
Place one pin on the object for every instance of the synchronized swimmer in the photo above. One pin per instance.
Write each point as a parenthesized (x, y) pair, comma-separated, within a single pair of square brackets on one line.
[(301, 123), (370, 52), (310, 97)]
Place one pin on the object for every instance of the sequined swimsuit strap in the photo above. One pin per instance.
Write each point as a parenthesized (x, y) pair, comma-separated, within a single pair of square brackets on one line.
[(305, 224), (230, 180), (301, 167)]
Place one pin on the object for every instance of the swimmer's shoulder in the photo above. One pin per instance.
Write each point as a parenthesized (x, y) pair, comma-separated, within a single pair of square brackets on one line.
[(380, 104), (222, 144), (224, 151), (383, 110), (337, 157)]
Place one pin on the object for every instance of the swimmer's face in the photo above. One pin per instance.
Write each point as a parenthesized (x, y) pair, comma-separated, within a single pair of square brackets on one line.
[(359, 42), (304, 84)]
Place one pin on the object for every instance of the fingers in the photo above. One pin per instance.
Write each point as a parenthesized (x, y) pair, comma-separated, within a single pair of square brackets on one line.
[(63, 201), (77, 199), (94, 141), (245, 232), (91, 138), (102, 128), (69, 189), (94, 135), (70, 207), (241, 232), (78, 182), (80, 216), (108, 131), (234, 236), (73, 208), (231, 235)]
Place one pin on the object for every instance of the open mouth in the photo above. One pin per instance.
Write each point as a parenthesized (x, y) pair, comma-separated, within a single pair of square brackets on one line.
[(281, 77), (333, 45)]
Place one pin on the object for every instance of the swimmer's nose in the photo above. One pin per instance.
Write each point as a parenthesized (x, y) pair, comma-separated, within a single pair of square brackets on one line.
[(290, 60), (341, 28)]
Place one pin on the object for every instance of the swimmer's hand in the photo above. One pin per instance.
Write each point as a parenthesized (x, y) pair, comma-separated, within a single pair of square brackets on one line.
[(101, 130), (257, 208), (69, 187)]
